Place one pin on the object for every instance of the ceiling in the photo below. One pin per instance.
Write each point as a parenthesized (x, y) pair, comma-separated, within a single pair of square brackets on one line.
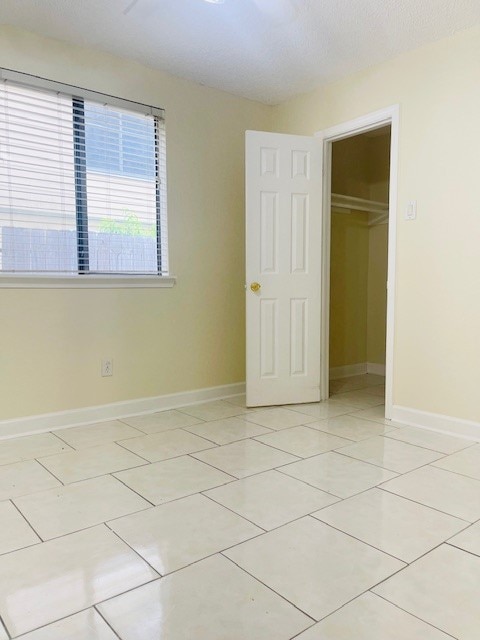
[(266, 50)]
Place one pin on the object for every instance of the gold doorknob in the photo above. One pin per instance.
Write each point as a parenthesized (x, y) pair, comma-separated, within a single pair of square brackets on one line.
[(255, 286)]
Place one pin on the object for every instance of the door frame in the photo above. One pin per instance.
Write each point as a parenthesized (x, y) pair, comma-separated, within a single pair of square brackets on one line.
[(368, 122)]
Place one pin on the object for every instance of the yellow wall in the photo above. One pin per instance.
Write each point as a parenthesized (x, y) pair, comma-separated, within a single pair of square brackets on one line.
[(348, 288), (379, 166), (351, 167), (358, 293), (161, 340), (437, 312)]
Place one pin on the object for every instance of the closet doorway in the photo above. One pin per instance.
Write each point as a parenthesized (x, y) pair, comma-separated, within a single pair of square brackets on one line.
[(358, 248), (359, 254)]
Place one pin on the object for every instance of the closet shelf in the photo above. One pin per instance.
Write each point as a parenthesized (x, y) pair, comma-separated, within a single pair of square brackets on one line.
[(346, 204), (340, 201)]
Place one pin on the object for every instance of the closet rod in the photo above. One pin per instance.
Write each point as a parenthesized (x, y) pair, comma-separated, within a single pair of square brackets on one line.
[(349, 203)]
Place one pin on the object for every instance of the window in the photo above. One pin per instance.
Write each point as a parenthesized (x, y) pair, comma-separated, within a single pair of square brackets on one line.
[(82, 183), (119, 143)]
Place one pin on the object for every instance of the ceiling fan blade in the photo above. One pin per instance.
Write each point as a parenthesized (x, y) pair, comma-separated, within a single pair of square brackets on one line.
[(129, 7)]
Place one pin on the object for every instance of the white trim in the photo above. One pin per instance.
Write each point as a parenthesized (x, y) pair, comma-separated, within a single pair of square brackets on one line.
[(376, 369), (76, 417), (90, 281), (347, 370), (358, 369), (325, 274), (374, 120), (436, 422), (389, 115)]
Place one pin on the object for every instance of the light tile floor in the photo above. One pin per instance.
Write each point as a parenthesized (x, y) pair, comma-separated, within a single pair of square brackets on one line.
[(217, 522)]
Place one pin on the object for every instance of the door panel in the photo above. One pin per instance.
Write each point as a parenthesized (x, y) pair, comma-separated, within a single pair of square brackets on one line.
[(283, 237)]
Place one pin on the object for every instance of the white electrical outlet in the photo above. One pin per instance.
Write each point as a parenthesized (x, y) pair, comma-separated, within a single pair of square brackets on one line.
[(107, 367)]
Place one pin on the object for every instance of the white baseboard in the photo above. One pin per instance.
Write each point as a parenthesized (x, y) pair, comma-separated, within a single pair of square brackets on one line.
[(76, 417), (376, 369), (359, 369), (347, 370), (436, 422)]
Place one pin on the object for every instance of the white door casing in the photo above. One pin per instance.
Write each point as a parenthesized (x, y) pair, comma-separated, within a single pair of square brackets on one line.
[(283, 255), (386, 116)]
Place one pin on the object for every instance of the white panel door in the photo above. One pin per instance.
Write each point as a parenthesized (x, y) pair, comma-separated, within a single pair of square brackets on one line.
[(283, 244)]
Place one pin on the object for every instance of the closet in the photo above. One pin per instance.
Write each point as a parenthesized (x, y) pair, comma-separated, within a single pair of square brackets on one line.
[(358, 253)]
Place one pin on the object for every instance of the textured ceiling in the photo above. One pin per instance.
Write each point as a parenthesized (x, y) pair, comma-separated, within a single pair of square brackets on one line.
[(266, 50)]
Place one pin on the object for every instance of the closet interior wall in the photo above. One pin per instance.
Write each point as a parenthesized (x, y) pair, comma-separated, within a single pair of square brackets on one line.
[(359, 240)]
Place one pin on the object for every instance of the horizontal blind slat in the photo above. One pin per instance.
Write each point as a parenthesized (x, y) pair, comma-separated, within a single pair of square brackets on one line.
[(42, 132)]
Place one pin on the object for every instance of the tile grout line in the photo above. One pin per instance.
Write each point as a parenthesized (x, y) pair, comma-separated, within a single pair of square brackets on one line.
[(159, 433), (50, 472), (468, 524), (106, 621), (297, 635), (239, 515), (350, 535), (241, 412), (421, 503), (3, 627), (454, 546), (414, 616), (47, 624), (209, 464), (270, 589), (119, 537), (438, 433), (309, 484), (174, 457), (33, 544), (363, 593), (346, 456), (86, 528), (378, 466), (245, 476), (370, 422), (301, 457), (119, 443), (233, 479), (30, 525), (123, 420), (55, 435), (309, 513), (458, 473), (411, 564), (98, 444), (130, 489), (190, 428), (103, 475), (194, 562), (185, 430)]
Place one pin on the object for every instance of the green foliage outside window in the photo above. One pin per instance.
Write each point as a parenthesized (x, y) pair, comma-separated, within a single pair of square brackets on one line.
[(130, 225)]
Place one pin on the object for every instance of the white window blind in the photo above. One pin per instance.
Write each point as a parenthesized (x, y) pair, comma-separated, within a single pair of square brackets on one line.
[(82, 183)]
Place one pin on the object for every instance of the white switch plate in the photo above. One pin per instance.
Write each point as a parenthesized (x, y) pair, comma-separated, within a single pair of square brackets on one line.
[(411, 210)]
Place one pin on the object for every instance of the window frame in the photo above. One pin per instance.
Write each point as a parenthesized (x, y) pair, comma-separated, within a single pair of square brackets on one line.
[(84, 278)]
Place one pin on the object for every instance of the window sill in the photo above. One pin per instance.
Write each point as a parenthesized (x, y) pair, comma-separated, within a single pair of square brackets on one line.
[(94, 281)]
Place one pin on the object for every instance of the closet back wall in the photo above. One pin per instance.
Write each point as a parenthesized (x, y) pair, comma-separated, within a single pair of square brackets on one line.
[(360, 168)]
